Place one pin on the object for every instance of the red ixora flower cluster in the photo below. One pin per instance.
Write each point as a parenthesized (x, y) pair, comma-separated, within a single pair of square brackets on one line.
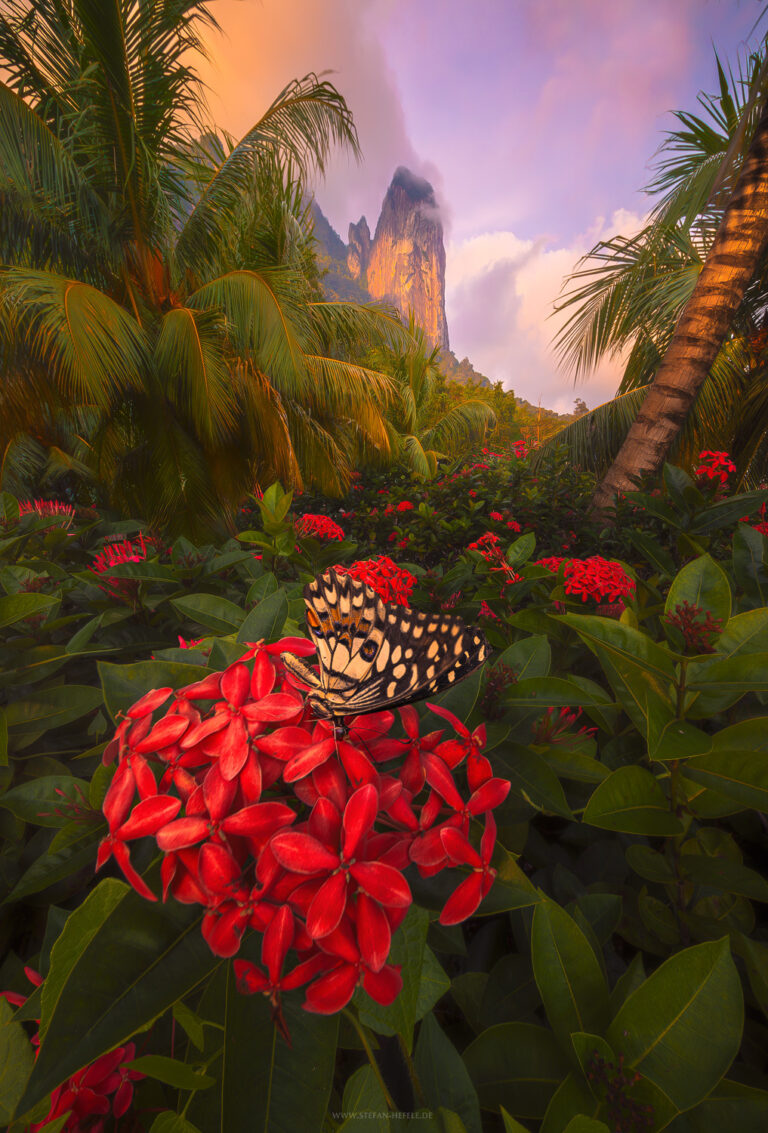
[(405, 505), (697, 626), (64, 513), (115, 554), (715, 466), (102, 1089), (318, 527), (488, 546), (595, 577), (392, 583), (268, 820)]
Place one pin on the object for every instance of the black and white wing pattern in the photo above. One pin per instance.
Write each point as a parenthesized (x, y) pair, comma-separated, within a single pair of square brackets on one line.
[(374, 655)]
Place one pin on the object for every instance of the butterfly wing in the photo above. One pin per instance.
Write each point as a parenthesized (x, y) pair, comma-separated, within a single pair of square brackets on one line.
[(374, 655)]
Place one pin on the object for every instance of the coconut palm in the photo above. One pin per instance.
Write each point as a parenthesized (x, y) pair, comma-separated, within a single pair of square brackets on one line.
[(670, 302), (158, 278), (421, 428)]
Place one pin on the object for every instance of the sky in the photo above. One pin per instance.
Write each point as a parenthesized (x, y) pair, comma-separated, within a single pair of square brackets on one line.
[(535, 121)]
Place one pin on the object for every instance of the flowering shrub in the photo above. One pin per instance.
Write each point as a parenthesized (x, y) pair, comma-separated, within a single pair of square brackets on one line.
[(595, 577), (391, 582), (318, 526), (269, 821), (64, 513), (105, 1088), (116, 554), (489, 546), (715, 466)]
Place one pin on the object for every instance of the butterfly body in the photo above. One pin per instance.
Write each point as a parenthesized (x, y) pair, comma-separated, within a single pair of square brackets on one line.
[(374, 655)]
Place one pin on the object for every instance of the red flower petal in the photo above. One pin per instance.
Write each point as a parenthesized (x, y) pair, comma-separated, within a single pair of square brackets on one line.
[(223, 932), (331, 992), (148, 816), (250, 979), (359, 817), (133, 878), (273, 708), (357, 765), (201, 731), (449, 716), (183, 832), (306, 761), (142, 773), (217, 868), (165, 732), (490, 795), (458, 847), (264, 676), (301, 853), (374, 936), (382, 882), (218, 793), (278, 938), (299, 646), (441, 780), (327, 906), (324, 823), (383, 986), (231, 746), (119, 796), (488, 840), (149, 702), (236, 684), (284, 743), (258, 821), (209, 688), (463, 901), (251, 780)]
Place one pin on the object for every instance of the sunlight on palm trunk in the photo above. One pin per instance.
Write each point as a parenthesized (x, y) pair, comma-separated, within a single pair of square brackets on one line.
[(740, 241)]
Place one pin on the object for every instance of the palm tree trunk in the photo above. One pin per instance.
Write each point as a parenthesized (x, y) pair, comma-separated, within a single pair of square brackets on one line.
[(739, 243)]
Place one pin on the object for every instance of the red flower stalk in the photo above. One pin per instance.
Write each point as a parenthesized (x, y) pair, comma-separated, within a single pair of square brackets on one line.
[(115, 554), (715, 466), (53, 509)]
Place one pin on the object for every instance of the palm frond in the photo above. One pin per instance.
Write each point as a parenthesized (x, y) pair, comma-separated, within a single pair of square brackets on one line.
[(470, 420), (190, 356)]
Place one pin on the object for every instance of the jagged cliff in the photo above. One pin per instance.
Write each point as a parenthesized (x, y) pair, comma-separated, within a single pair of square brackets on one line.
[(404, 263)]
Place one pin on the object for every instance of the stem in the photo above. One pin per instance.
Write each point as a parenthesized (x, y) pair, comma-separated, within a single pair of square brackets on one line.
[(371, 1057), (412, 1073)]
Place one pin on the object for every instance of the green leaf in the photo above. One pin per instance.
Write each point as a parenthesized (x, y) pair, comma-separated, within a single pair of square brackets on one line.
[(36, 800), (742, 775), (509, 991), (16, 607), (55, 864), (217, 614), (433, 985), (726, 512), (191, 1023), (750, 563), (362, 1095), (582, 1124), (517, 1065), (532, 777), (529, 657), (510, 1125), (3, 739), (171, 1072), (120, 962), (569, 978), (726, 875), (521, 550), (731, 1105), (443, 1075), (123, 685), (51, 708), (266, 620), (16, 1061), (630, 800), (678, 739), (546, 692), (649, 864), (172, 1123), (659, 1028), (746, 672), (701, 583), (622, 643), (460, 698)]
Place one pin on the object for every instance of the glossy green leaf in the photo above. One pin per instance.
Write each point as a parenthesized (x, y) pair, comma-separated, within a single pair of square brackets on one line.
[(265, 621), (47, 708), (172, 1123), (701, 583), (362, 1096), (16, 1061), (443, 1075), (661, 1027), (36, 800), (123, 685), (569, 978), (630, 800), (546, 692), (529, 657), (516, 1065), (521, 550), (731, 1106), (16, 607), (726, 512), (726, 875), (750, 563), (120, 962), (208, 610), (509, 992), (741, 775), (171, 1071)]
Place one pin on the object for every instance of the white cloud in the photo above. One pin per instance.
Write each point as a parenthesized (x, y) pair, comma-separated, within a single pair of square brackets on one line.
[(500, 292)]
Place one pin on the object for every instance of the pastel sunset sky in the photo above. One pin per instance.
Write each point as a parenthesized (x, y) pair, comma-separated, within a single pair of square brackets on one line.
[(535, 120)]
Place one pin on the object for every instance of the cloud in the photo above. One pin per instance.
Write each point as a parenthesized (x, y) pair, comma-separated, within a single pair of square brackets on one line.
[(267, 44), (499, 295)]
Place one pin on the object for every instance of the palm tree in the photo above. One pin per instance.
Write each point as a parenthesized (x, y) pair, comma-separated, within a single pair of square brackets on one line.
[(421, 430), (683, 300), (157, 278)]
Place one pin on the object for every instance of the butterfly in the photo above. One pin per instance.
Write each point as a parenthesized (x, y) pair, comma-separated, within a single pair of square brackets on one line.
[(374, 655)]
